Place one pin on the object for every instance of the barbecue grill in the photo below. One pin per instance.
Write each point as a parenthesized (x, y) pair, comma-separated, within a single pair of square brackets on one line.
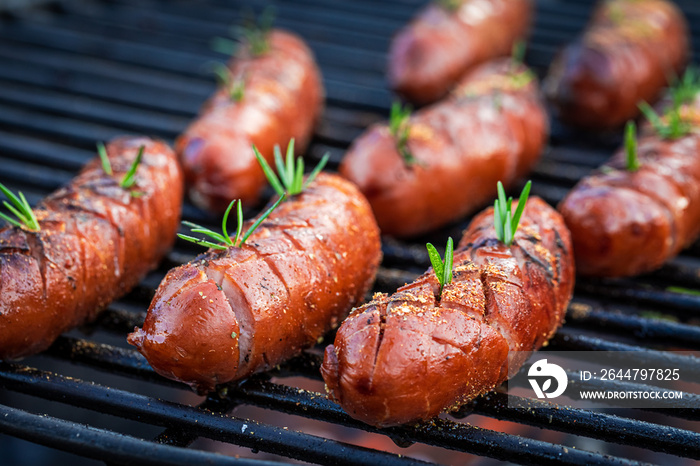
[(73, 72)]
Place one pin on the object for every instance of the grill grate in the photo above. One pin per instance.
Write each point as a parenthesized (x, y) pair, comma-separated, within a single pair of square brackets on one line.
[(75, 72)]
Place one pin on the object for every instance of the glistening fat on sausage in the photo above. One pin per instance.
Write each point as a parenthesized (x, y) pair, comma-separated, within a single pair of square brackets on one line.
[(450, 37), (96, 240), (230, 313), (446, 159), (274, 93), (413, 354), (628, 53)]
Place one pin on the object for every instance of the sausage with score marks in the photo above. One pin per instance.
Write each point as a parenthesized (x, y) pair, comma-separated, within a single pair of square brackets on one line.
[(493, 127), (420, 351), (230, 313), (448, 38), (629, 52), (626, 220), (270, 98), (96, 240)]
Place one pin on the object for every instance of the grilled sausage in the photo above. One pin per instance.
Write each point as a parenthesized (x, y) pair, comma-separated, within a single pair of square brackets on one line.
[(628, 53), (625, 223), (282, 98), (409, 356), (493, 127), (228, 314), (440, 45), (96, 242)]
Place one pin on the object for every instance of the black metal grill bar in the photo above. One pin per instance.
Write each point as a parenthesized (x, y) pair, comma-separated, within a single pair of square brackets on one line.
[(183, 437), (267, 395), (248, 433), (670, 407), (305, 447), (114, 115), (438, 432), (103, 445), (685, 305), (82, 74), (607, 427), (651, 331)]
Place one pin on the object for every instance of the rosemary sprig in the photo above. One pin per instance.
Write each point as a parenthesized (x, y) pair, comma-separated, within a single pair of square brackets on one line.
[(450, 5), (687, 87), (519, 79), (673, 127), (400, 130), (505, 222), (21, 209), (442, 269), (256, 33), (632, 161), (130, 177), (235, 87), (224, 237), (518, 53), (672, 124), (102, 152), (291, 174)]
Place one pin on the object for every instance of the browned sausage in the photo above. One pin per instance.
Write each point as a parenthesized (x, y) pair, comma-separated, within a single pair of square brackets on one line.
[(97, 240), (427, 57), (409, 356), (493, 127), (228, 314), (625, 222), (628, 53), (282, 98)]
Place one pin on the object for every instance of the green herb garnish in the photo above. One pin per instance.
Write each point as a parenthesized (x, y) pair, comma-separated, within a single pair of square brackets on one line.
[(256, 32), (21, 209), (130, 177), (102, 152), (400, 129), (674, 127), (679, 289), (504, 221), (224, 236), (224, 77), (450, 5), (442, 269), (672, 124), (291, 174), (632, 161), (518, 53), (687, 87)]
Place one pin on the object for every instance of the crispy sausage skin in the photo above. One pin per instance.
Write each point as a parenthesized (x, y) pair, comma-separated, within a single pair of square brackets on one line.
[(625, 223), (409, 356), (628, 53), (493, 127), (282, 99), (428, 56), (96, 242), (228, 314)]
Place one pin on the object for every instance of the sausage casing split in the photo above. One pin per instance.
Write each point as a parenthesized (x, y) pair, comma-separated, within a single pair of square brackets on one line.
[(492, 128), (629, 52), (409, 356), (625, 223), (427, 57), (228, 314), (96, 242), (282, 99)]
